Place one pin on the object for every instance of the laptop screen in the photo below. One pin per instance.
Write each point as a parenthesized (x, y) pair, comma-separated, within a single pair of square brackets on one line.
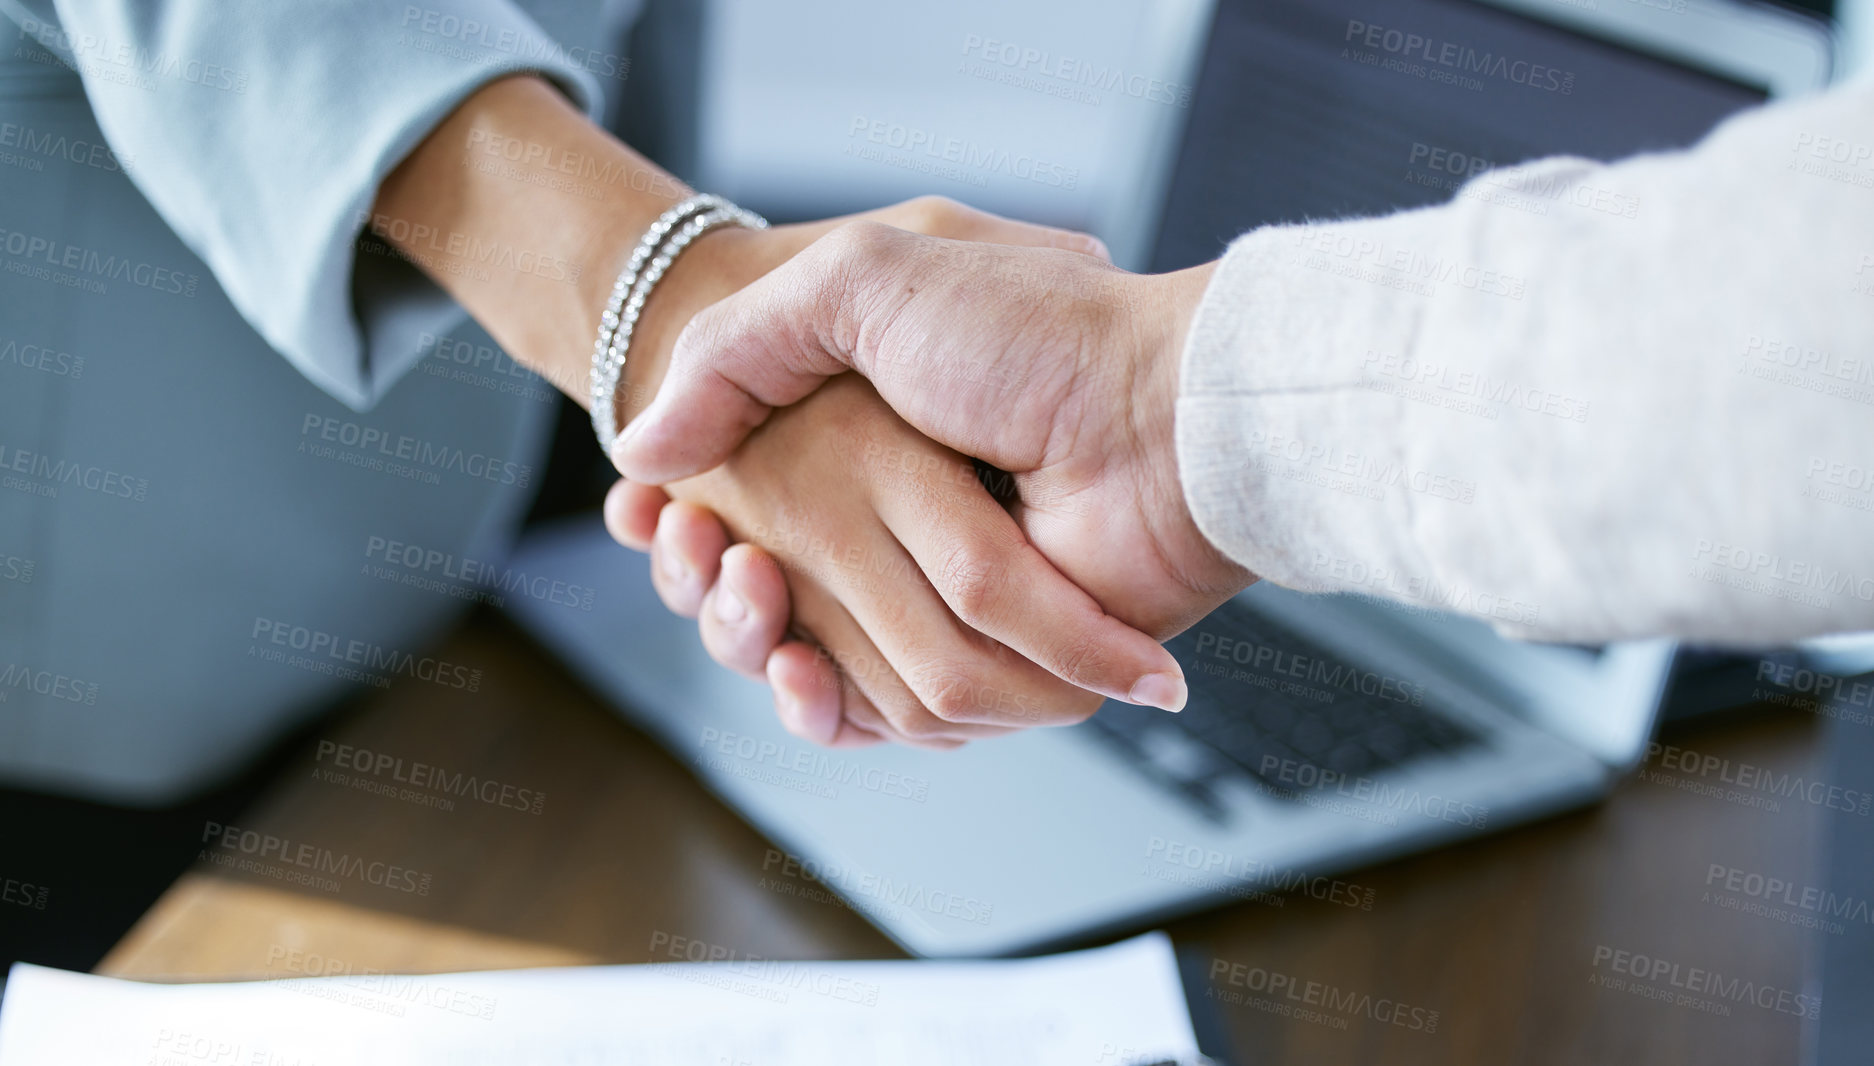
[(1342, 108)]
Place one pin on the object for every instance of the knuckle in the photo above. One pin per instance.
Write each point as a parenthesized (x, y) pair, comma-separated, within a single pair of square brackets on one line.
[(1088, 244), (855, 254), (947, 692), (914, 721), (970, 581), (937, 214), (861, 236)]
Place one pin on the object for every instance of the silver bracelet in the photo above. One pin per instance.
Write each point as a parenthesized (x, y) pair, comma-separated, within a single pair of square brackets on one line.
[(656, 250)]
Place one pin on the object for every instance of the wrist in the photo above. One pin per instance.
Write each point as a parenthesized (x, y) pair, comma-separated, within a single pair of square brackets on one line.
[(1160, 309), (713, 266), (1167, 308), (1177, 297)]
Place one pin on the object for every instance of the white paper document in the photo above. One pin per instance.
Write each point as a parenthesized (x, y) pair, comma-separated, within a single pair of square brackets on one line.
[(1114, 1006)]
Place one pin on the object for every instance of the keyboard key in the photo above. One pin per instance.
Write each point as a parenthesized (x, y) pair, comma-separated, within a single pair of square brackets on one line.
[(1266, 704)]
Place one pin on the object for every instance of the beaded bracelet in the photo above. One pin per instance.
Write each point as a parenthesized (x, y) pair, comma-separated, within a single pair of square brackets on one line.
[(649, 261)]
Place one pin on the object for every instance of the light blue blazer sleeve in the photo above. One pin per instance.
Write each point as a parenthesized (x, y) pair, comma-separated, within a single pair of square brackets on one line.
[(261, 130)]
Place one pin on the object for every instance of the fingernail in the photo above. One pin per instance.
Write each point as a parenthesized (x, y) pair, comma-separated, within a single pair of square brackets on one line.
[(1164, 691), (729, 606)]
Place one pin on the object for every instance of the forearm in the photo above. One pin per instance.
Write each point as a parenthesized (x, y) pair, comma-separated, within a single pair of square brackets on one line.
[(1556, 421), (523, 210)]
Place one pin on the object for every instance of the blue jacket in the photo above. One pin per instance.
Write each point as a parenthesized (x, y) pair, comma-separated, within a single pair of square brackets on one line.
[(248, 465)]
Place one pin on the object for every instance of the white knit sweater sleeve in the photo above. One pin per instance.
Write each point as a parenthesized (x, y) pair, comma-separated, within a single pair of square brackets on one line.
[(1581, 401)]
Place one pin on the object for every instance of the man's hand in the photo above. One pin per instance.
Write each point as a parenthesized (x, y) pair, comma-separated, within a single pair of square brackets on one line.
[(926, 661), (867, 520), (1054, 367)]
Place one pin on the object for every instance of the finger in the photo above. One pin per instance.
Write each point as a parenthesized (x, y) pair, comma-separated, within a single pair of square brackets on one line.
[(745, 613), (686, 552), (764, 347), (807, 699), (1000, 585), (872, 693), (631, 512), (993, 229), (812, 677), (941, 216), (929, 674)]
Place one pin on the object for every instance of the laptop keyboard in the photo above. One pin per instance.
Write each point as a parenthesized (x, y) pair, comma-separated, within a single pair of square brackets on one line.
[(1274, 711)]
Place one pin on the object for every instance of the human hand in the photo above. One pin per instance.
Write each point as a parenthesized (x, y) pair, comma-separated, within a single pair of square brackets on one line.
[(511, 244), (854, 561), (1076, 403)]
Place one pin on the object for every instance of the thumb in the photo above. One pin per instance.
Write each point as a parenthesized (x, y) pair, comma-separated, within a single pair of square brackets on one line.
[(767, 346)]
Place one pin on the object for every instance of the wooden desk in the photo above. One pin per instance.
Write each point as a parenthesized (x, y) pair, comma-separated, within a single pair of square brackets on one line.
[(1500, 936)]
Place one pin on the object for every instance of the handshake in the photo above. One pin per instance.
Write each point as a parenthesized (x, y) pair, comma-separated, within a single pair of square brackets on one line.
[(917, 470)]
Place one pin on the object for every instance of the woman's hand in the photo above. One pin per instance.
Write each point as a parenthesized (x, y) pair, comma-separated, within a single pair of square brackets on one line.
[(532, 257), (854, 508)]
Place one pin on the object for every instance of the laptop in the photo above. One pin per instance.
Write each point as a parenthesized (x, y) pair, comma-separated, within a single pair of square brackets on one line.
[(1323, 732)]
